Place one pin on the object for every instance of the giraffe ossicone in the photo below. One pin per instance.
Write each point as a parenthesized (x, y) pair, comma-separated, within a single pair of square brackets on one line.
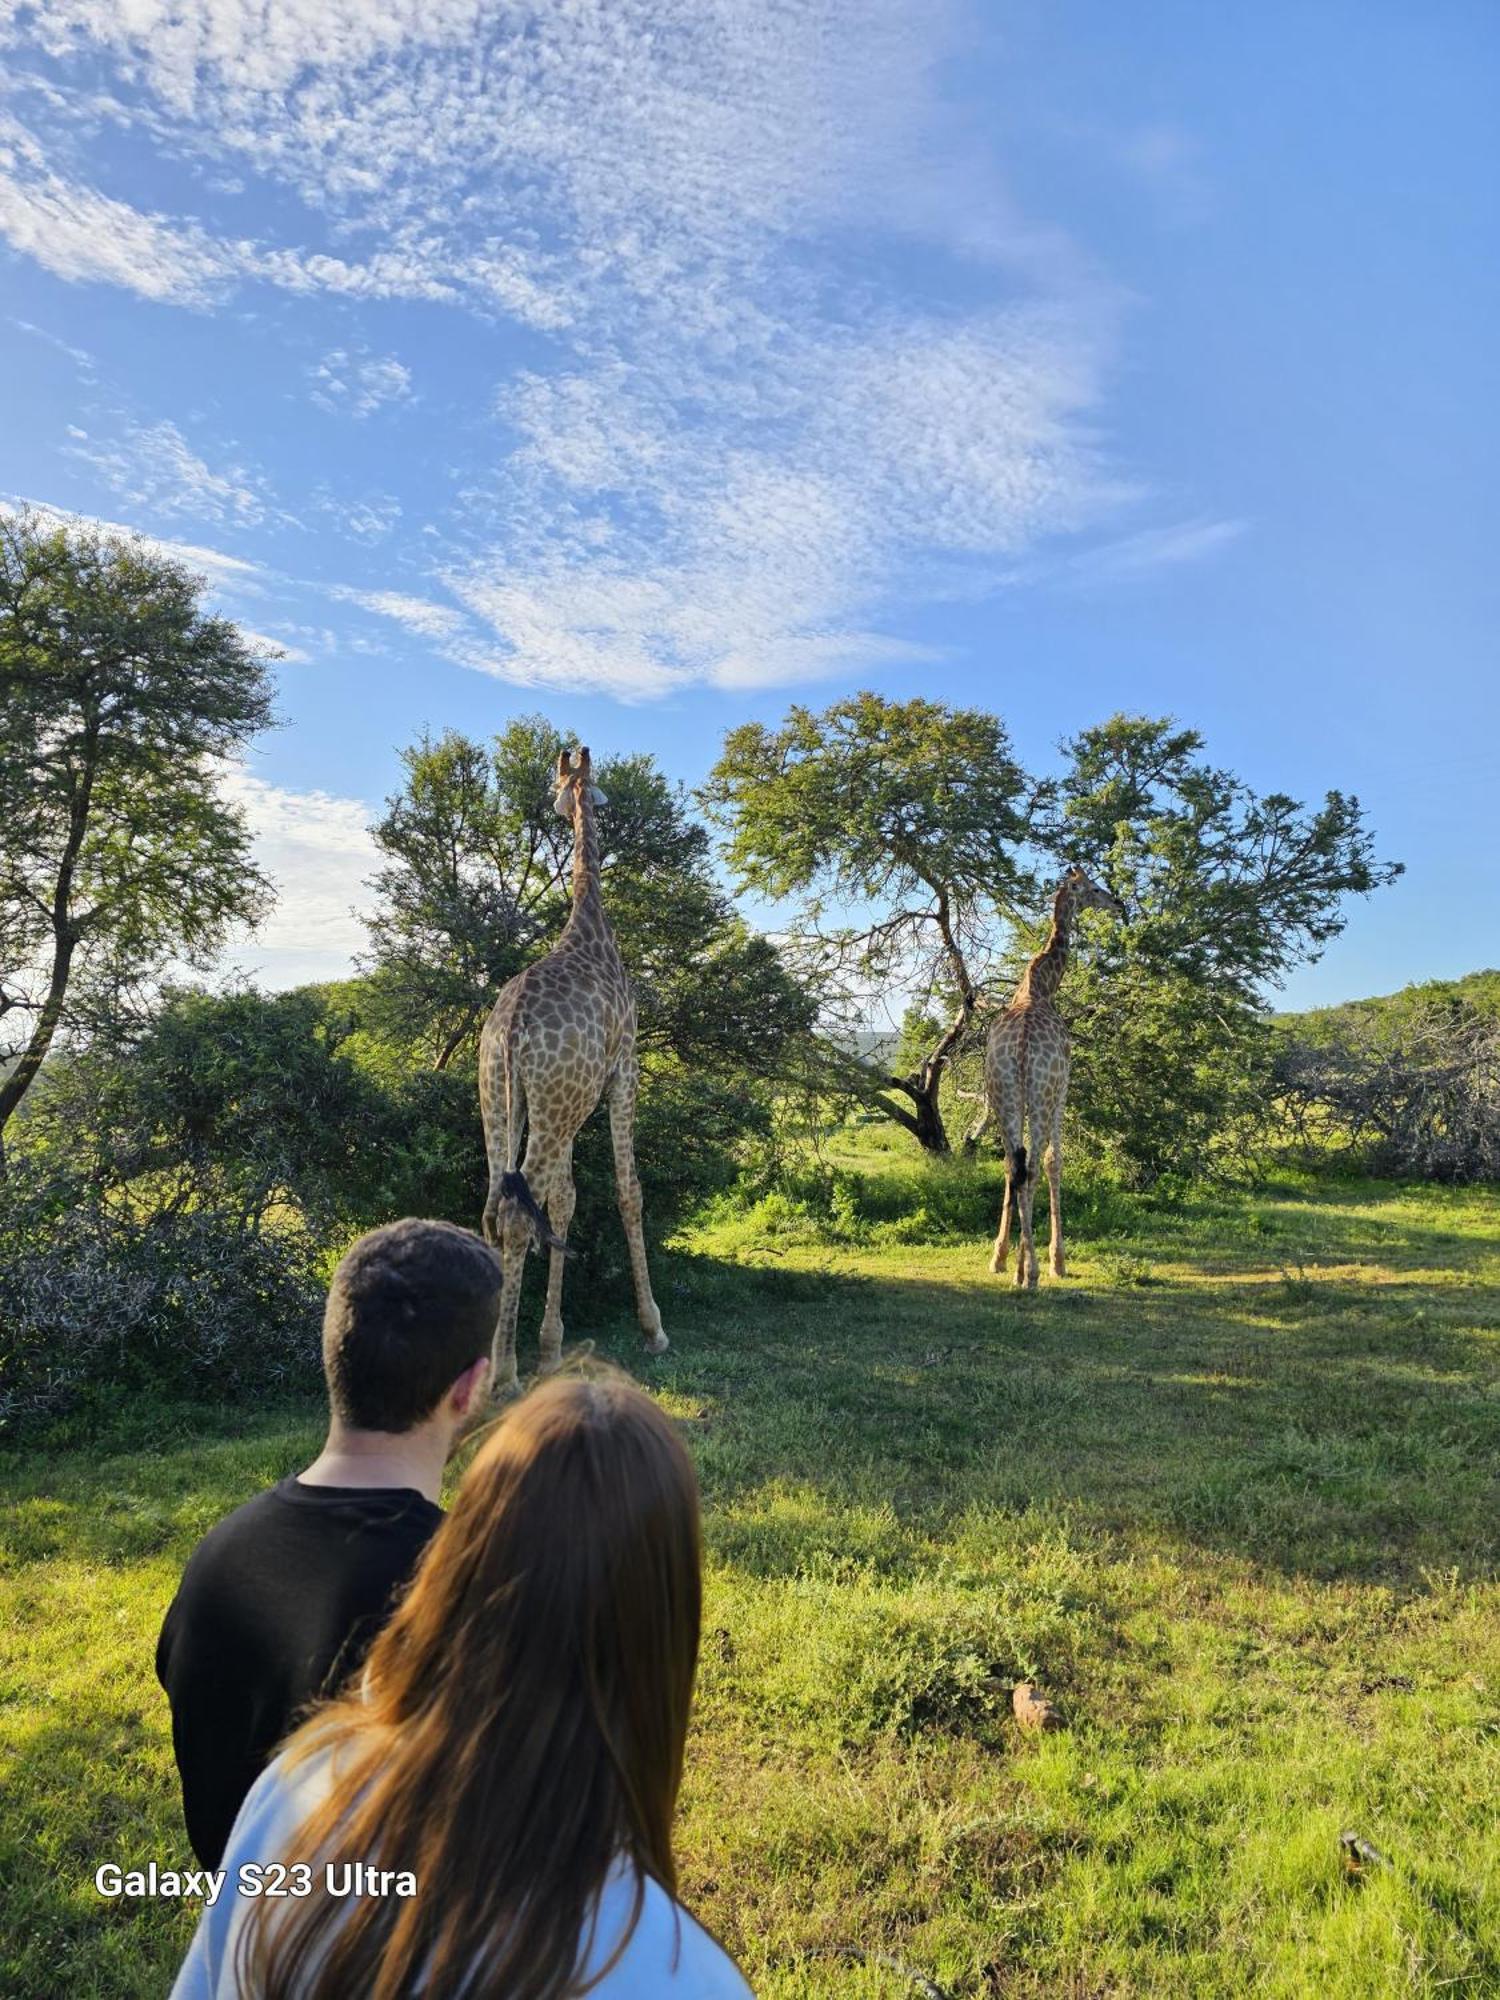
[(561, 1035), (1026, 1062)]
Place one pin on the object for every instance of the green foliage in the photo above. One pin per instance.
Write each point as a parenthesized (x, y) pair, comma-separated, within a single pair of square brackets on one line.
[(872, 801), (120, 854), (1476, 992), (1223, 887), (1406, 1084), (243, 1101), (1225, 892), (100, 1293)]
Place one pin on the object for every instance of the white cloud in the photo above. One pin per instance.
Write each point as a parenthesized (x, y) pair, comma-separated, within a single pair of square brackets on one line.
[(1154, 549), (356, 385), (369, 519), (223, 571), (82, 360), (153, 466), (418, 614), (737, 445), (317, 850), (77, 233), (290, 655)]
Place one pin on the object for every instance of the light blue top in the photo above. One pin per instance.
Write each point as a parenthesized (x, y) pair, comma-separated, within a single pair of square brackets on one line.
[(667, 1953)]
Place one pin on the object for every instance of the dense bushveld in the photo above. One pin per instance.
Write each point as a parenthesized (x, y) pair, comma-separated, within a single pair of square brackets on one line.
[(1230, 1493)]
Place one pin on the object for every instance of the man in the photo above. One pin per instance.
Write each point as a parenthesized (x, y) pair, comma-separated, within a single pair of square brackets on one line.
[(280, 1602)]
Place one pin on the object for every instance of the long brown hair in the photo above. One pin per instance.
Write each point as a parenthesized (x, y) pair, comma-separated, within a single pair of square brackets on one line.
[(521, 1723)]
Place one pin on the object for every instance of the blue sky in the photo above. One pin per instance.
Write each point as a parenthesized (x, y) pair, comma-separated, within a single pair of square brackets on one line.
[(654, 365)]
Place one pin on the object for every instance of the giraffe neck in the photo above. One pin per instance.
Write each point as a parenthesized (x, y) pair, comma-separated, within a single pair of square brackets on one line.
[(588, 902), (1045, 972)]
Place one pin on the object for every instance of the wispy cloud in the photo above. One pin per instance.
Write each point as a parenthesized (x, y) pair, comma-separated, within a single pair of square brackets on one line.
[(264, 641), (738, 449), (82, 360), (417, 614), (154, 468), (357, 385), (222, 571), (1155, 549)]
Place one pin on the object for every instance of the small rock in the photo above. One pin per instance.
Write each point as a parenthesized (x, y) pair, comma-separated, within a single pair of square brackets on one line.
[(1033, 1710)]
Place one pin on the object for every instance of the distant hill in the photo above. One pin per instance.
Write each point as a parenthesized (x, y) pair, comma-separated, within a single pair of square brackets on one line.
[(1477, 990)]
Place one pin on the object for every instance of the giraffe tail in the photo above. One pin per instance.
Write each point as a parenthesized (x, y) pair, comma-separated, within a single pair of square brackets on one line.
[(516, 1199), (1018, 1166)]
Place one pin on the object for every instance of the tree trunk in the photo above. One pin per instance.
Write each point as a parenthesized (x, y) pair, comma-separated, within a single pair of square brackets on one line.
[(64, 932), (931, 1133), (23, 1075)]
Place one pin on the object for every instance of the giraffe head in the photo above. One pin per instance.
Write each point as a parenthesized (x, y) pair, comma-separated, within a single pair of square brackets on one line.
[(574, 780), (1078, 891)]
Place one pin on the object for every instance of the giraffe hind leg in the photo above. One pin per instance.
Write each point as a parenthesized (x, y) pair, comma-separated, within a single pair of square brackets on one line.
[(1015, 1171), (1026, 1265)]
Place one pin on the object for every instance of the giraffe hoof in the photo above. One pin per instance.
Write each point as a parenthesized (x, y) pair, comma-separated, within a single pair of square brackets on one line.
[(657, 1343), (997, 1265)]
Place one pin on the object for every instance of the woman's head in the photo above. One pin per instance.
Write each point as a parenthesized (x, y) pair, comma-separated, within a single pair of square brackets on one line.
[(524, 1713)]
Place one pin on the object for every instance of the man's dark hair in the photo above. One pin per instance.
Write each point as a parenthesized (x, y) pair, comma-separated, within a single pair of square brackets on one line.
[(412, 1305)]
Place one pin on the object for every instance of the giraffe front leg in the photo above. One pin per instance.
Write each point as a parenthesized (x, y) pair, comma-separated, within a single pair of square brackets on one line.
[(628, 1190), (1054, 1208), (560, 1202)]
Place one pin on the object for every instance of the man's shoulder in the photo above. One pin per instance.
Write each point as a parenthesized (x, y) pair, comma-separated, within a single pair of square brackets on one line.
[(243, 1524), (264, 1540)]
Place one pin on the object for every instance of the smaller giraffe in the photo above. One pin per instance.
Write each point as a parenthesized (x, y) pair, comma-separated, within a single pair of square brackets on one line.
[(561, 1035), (1026, 1079)]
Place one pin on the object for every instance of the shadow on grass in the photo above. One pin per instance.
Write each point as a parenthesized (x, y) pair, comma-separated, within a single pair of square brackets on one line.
[(1325, 1428), (60, 1934)]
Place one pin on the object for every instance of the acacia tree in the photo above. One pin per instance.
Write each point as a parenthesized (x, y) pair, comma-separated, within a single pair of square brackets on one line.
[(1225, 893), (898, 827), (119, 854)]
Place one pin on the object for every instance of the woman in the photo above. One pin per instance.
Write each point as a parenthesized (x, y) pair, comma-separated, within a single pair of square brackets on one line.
[(490, 1811)]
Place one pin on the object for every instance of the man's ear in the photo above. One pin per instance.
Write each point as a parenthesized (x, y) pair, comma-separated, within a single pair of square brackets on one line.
[(468, 1390)]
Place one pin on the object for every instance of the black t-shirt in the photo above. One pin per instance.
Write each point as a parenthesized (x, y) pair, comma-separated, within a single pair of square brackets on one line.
[(277, 1606)]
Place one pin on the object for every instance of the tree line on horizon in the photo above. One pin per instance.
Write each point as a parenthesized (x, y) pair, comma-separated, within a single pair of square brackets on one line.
[(169, 1148)]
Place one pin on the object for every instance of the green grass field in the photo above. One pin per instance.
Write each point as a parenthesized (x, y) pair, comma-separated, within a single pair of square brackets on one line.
[(1232, 1493)]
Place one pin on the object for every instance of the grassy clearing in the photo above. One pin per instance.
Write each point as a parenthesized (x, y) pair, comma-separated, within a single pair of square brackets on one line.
[(1231, 1493)]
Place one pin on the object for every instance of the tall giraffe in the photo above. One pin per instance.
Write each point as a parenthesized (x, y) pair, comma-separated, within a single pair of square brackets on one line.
[(560, 1036), (1026, 1078)]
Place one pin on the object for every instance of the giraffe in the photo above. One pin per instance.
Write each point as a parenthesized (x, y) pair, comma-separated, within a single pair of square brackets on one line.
[(1026, 1079), (560, 1035)]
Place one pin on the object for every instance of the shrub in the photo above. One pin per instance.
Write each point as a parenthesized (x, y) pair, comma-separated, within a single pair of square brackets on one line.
[(182, 1301)]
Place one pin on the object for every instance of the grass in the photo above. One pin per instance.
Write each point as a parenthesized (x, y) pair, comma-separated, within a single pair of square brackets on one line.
[(1230, 1494)]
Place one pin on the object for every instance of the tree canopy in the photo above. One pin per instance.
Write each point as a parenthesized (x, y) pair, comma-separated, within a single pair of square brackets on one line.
[(915, 851), (1225, 892), (899, 830), (120, 699)]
